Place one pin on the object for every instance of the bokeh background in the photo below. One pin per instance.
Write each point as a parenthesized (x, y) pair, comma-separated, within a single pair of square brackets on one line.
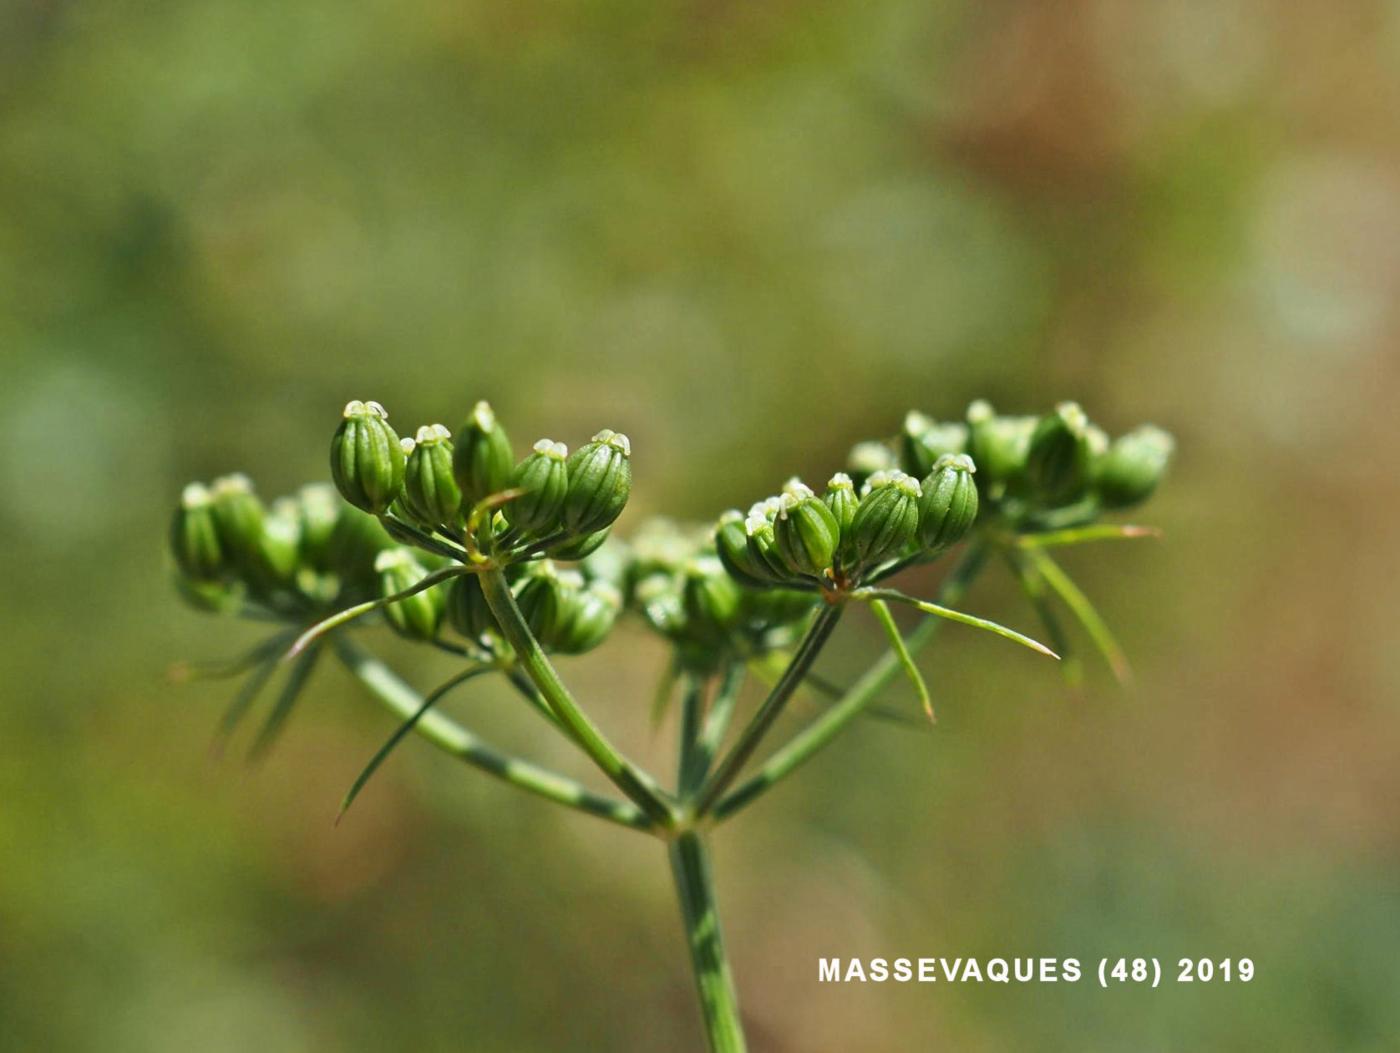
[(748, 235)]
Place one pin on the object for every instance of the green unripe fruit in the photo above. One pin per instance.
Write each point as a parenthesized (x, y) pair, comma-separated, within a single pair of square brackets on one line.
[(481, 456), (279, 544), (887, 522), (659, 600), (1058, 460), (467, 609), (355, 542), (867, 458), (586, 616), (1098, 442), (319, 507), (609, 564), (806, 533), (194, 536), (732, 547), (777, 607), (600, 480), (763, 546), (948, 507), (580, 547), (1133, 466), (366, 459), (998, 445), (430, 493), (418, 617), (238, 516), (794, 488), (543, 478), (661, 545), (924, 440), (841, 498), (710, 598), (538, 596)]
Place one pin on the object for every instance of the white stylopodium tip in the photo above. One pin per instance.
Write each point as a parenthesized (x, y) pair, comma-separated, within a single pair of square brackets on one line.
[(356, 408), (958, 461), (483, 416)]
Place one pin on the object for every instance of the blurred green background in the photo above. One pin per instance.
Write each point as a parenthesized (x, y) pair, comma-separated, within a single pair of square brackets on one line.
[(748, 235)]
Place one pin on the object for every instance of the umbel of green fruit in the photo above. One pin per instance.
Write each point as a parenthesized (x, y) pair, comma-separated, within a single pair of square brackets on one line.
[(887, 521), (482, 458), (367, 461), (948, 506), (430, 493)]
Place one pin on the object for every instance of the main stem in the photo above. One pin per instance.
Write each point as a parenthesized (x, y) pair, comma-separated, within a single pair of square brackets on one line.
[(719, 1005)]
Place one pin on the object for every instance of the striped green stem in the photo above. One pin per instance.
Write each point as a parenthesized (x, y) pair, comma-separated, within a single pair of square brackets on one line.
[(719, 1005), (731, 679), (812, 643), (692, 714), (450, 737), (626, 776), (863, 692)]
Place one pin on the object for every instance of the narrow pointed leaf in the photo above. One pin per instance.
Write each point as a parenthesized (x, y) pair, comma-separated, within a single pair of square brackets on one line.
[(402, 731), (1084, 610), (957, 616), (1033, 586), (1080, 535), (247, 694), (882, 614), (291, 690), (224, 669)]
